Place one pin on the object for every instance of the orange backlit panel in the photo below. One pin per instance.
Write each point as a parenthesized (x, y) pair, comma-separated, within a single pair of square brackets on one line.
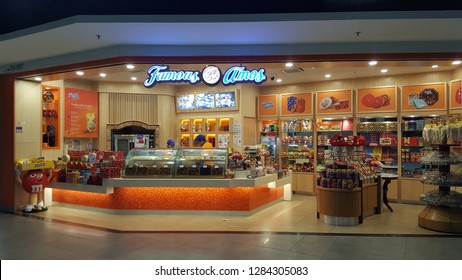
[(174, 198)]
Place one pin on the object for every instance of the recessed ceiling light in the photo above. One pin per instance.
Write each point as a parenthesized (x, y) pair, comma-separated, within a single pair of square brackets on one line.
[(80, 73), (130, 66), (373, 62), (384, 70), (456, 62), (38, 79), (278, 80), (102, 75), (434, 66), (289, 64), (328, 75), (133, 78)]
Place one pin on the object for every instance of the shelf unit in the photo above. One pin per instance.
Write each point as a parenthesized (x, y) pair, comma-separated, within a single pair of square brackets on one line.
[(326, 128), (298, 153), (51, 118), (217, 131)]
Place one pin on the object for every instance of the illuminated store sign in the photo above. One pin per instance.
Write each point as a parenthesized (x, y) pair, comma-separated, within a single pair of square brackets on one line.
[(211, 75)]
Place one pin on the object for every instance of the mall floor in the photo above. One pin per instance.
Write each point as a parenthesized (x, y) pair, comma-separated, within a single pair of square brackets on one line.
[(284, 231)]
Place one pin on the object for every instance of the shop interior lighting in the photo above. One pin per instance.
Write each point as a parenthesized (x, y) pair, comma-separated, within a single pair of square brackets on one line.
[(434, 66), (289, 64), (80, 73), (130, 66), (102, 75), (278, 80), (373, 62), (38, 79), (456, 62), (133, 78), (328, 75), (384, 70)]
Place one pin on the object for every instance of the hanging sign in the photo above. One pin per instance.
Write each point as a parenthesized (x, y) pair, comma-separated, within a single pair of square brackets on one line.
[(211, 75)]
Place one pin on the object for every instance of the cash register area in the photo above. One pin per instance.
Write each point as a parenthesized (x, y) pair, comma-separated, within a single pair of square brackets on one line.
[(283, 231)]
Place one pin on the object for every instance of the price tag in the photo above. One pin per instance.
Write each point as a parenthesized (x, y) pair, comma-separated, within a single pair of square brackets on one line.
[(155, 166), (194, 166), (205, 166), (216, 166), (181, 166)]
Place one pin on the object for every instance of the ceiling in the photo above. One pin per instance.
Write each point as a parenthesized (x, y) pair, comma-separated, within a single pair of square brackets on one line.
[(85, 38)]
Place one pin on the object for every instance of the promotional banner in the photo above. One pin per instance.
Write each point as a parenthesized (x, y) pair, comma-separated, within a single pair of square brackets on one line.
[(296, 104), (267, 105), (455, 93), (381, 99), (81, 108), (334, 102), (424, 97)]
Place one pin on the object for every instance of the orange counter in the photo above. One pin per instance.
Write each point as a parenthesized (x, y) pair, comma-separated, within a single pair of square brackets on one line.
[(239, 195)]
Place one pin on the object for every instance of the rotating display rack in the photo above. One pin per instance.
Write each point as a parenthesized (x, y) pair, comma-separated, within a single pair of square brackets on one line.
[(443, 211)]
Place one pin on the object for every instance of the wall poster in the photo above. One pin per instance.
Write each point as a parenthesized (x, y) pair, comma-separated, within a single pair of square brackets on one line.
[(455, 94), (81, 108), (424, 97), (296, 104), (334, 102), (266, 105), (379, 99)]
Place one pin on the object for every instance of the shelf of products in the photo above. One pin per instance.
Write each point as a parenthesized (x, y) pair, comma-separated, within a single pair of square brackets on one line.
[(326, 130), (297, 145), (178, 163), (382, 139), (217, 131), (50, 118), (269, 137)]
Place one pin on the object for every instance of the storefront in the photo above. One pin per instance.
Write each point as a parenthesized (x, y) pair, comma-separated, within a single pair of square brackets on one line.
[(232, 96)]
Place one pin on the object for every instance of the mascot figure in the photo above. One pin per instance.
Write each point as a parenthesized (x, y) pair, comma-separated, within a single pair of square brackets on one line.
[(34, 182)]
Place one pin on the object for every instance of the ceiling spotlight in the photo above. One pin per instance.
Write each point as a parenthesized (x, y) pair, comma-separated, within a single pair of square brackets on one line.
[(456, 62), (289, 64), (434, 66), (80, 73), (38, 79), (130, 66), (278, 80), (133, 78), (102, 75), (328, 75), (373, 62), (384, 70)]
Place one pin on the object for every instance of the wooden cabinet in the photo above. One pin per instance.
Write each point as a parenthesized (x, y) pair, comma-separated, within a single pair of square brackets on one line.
[(411, 189), (303, 182), (50, 118)]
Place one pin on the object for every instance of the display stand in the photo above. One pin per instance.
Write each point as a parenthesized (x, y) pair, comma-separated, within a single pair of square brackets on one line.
[(443, 211)]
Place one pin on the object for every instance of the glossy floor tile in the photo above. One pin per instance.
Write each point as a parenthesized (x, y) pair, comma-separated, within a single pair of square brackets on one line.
[(284, 231)]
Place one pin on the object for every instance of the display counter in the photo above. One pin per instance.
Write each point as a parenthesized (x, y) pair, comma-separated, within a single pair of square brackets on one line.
[(128, 195), (347, 207)]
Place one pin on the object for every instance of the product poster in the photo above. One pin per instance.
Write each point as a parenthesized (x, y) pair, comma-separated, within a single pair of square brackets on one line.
[(81, 108), (205, 101), (334, 102), (455, 93), (226, 100), (424, 97), (267, 105), (381, 99), (296, 104)]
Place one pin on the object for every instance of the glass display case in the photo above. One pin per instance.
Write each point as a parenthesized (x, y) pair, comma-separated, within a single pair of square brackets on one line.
[(150, 162), (201, 162), (177, 163)]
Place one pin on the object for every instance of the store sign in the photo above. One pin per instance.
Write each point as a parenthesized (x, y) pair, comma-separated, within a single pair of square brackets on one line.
[(211, 75)]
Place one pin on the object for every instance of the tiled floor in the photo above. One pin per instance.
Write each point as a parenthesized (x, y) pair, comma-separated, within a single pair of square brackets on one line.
[(286, 230)]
